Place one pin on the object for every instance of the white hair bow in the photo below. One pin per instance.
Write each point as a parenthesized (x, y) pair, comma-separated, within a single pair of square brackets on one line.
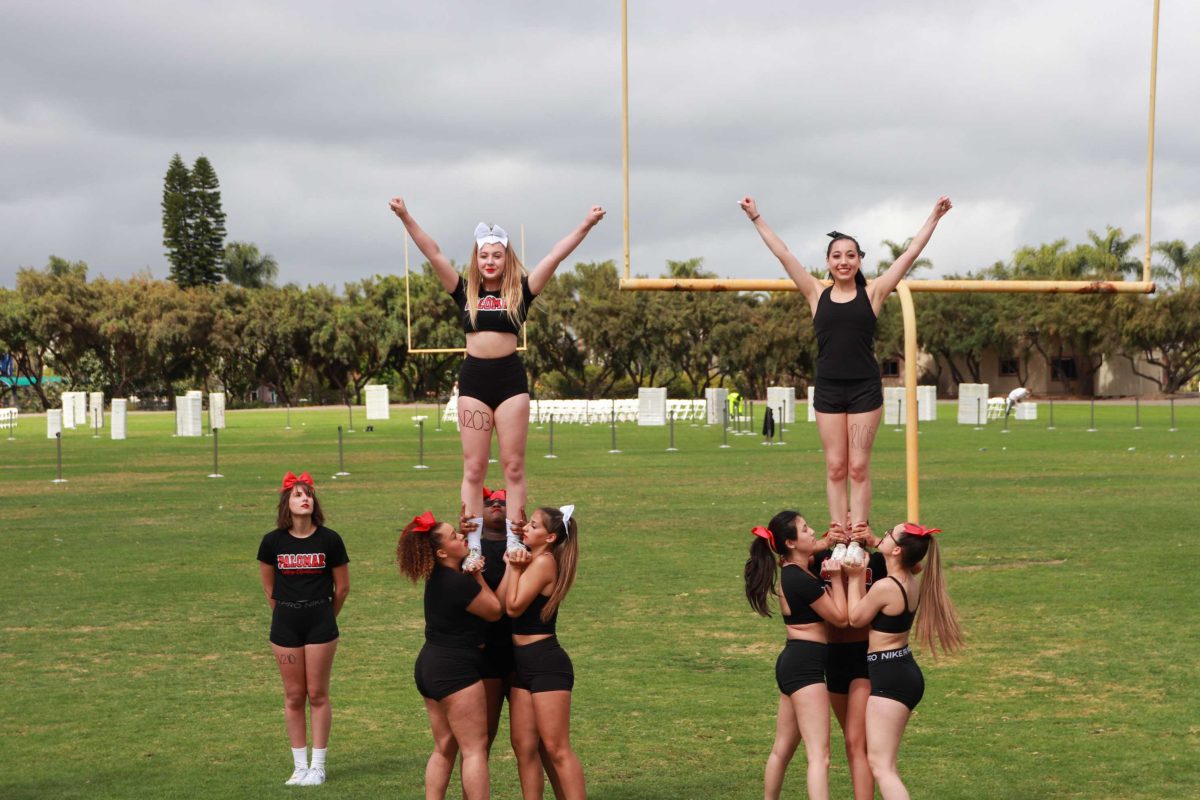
[(489, 234), (567, 511)]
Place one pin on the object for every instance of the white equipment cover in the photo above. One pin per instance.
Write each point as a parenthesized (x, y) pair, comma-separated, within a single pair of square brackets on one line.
[(784, 396), (53, 422), (715, 401), (972, 403), (378, 402), (120, 412), (96, 410), (216, 410), (652, 406)]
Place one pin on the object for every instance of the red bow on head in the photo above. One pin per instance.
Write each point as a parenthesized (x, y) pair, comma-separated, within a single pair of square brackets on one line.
[(499, 494), (290, 480), (913, 529), (423, 522), (760, 531)]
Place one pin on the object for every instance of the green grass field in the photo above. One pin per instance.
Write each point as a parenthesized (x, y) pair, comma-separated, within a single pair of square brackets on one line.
[(133, 628)]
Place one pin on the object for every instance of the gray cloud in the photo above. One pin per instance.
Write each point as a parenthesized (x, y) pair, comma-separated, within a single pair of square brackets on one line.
[(1031, 115)]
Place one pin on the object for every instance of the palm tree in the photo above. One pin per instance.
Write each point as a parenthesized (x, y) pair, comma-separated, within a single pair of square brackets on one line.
[(897, 250), (1182, 264), (245, 266), (1111, 254)]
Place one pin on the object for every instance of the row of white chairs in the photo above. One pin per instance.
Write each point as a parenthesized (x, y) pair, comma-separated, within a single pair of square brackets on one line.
[(587, 412), (8, 418)]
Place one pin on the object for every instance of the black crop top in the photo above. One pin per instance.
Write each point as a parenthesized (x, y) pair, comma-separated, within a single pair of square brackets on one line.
[(492, 314), (448, 592), (895, 623), (531, 620), (845, 337), (801, 590)]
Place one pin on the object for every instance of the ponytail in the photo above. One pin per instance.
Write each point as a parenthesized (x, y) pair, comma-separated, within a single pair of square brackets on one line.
[(760, 576), (768, 544), (416, 550), (936, 616), (565, 550)]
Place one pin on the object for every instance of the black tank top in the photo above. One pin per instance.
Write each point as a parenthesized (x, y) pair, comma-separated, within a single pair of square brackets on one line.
[(801, 590), (845, 337), (895, 623), (531, 621), (448, 592)]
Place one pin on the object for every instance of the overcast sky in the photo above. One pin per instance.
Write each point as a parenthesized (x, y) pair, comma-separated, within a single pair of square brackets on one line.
[(1030, 114)]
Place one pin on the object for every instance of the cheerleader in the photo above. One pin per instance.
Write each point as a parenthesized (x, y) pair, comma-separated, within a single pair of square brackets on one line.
[(306, 577), (788, 544), (449, 668), (535, 584), (890, 608), (848, 397), (493, 299)]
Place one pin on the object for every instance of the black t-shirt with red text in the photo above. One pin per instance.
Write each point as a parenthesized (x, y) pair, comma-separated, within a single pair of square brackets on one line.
[(303, 567)]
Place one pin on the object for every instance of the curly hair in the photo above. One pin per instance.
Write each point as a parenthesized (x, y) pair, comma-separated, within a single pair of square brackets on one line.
[(416, 551)]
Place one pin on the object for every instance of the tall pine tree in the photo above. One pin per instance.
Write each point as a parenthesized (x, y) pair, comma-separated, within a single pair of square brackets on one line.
[(176, 231), (193, 223), (207, 224)]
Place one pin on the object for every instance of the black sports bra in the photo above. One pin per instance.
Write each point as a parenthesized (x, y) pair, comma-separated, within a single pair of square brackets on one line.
[(895, 623), (492, 312)]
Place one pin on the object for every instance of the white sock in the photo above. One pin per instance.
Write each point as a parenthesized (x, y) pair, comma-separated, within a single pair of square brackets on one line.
[(513, 540), (318, 758), (300, 757), (474, 537)]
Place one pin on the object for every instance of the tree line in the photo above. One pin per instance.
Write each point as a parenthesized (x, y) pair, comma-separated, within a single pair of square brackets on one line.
[(154, 338)]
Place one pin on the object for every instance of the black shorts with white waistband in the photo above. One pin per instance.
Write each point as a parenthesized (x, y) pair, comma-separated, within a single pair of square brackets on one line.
[(895, 675)]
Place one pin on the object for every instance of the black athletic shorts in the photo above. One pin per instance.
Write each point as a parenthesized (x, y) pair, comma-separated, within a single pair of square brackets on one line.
[(895, 674), (441, 671), (492, 380), (298, 624), (847, 662), (498, 660), (854, 396), (543, 667), (802, 663)]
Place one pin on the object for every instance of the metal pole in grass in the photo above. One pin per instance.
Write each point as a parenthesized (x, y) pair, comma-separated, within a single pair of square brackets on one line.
[(1137, 413), (288, 425), (1005, 428), (1172, 428), (439, 414), (341, 456), (612, 426), (671, 421), (350, 410), (725, 427), (58, 444), (978, 413), (216, 473), (420, 444), (1093, 423), (782, 419), (551, 453), (1050, 427), (898, 429)]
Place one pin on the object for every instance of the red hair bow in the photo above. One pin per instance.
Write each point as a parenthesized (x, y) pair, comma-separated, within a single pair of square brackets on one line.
[(290, 480), (913, 529), (423, 522), (499, 494), (765, 533)]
